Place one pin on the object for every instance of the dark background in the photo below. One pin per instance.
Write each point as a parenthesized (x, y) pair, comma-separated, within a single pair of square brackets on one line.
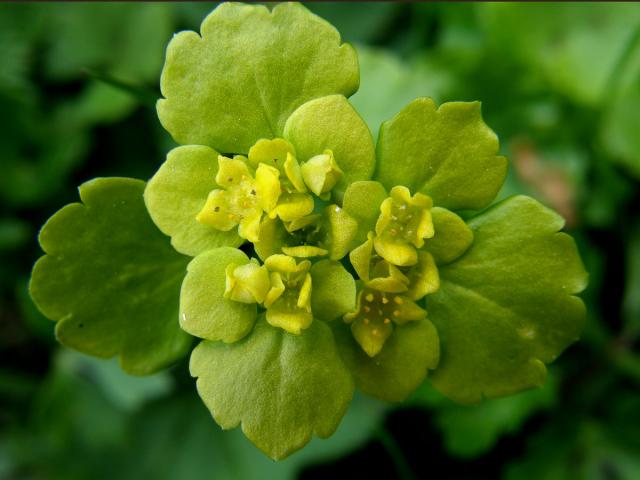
[(560, 84)]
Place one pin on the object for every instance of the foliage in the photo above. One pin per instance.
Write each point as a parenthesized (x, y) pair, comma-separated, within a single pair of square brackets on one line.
[(569, 141)]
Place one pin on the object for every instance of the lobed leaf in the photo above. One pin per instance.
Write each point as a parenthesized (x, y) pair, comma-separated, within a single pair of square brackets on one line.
[(448, 153), (177, 192), (281, 388), (110, 278), (248, 71), (507, 306)]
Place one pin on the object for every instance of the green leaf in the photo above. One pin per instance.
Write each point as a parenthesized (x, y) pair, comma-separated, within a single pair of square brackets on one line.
[(126, 40), (631, 301), (110, 278), (357, 24), (448, 153), (333, 291), (178, 191), (362, 201), (586, 449), (507, 306), (332, 123), (576, 48), (281, 388), (618, 130), (205, 451), (452, 236), (470, 431), (204, 312), (400, 367), (126, 392), (248, 72)]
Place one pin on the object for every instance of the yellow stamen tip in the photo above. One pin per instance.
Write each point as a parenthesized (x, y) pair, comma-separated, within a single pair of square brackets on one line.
[(369, 297)]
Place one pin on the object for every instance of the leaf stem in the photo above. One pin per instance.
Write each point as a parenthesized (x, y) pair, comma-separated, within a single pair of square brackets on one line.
[(613, 83), (403, 468)]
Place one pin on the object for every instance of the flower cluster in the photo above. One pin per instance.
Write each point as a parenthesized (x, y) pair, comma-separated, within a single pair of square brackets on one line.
[(309, 259)]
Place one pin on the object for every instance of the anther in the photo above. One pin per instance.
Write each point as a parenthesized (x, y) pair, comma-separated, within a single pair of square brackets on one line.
[(387, 321), (385, 300), (369, 297), (367, 309), (396, 313), (374, 331), (365, 321), (398, 300)]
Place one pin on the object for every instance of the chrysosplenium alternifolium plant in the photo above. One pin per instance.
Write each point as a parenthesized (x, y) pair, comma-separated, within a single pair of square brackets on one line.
[(360, 265)]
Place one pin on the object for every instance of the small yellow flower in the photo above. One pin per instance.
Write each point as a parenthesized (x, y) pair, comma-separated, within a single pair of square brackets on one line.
[(402, 226)]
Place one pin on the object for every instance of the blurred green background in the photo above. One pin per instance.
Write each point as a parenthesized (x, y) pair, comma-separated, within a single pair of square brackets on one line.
[(560, 84)]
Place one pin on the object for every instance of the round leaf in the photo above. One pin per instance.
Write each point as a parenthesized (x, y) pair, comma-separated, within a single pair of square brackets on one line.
[(332, 123), (204, 312), (241, 79), (448, 153), (400, 367), (177, 192), (110, 278), (452, 236), (281, 388), (362, 201), (507, 306), (333, 291)]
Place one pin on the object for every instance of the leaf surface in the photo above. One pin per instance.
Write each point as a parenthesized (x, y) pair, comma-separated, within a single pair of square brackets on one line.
[(233, 84), (508, 305), (110, 279)]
